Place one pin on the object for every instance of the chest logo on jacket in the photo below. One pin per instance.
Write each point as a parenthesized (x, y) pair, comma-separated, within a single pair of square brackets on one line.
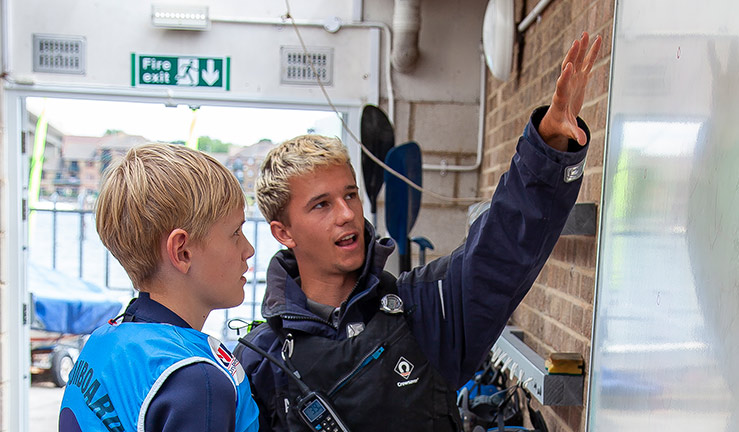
[(404, 368)]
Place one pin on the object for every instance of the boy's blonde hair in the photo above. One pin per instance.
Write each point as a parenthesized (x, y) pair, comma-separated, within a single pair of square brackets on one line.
[(298, 156), (155, 189)]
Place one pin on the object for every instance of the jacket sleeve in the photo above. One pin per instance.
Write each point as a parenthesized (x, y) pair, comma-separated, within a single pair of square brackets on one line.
[(461, 303)]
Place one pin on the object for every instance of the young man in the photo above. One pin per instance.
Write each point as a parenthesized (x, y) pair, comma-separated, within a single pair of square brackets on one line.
[(172, 216), (390, 354)]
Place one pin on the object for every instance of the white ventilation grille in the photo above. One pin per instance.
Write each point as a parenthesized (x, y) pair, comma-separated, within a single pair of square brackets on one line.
[(296, 65), (59, 54)]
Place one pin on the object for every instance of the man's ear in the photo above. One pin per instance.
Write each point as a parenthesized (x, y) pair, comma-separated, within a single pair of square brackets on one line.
[(177, 250), (281, 233)]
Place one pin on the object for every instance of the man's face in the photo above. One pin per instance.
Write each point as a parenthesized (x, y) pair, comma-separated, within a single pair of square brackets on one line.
[(325, 222)]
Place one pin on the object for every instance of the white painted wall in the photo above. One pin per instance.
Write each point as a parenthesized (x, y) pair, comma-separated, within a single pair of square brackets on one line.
[(437, 105), (115, 30)]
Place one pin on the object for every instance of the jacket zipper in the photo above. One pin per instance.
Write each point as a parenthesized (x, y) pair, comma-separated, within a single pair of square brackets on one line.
[(373, 355), (291, 317)]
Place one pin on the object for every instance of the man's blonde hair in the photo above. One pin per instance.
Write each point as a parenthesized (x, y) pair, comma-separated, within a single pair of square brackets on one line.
[(298, 156), (155, 189)]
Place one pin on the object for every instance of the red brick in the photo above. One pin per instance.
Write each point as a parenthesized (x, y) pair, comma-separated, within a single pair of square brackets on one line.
[(587, 288), (595, 152), (587, 324), (576, 317)]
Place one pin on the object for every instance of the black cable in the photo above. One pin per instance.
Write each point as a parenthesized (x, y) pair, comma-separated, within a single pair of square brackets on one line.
[(304, 389)]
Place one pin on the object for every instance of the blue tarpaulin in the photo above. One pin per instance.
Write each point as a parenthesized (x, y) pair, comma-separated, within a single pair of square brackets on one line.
[(65, 304)]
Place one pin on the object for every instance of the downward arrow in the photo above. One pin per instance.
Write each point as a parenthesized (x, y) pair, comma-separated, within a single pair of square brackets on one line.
[(210, 74)]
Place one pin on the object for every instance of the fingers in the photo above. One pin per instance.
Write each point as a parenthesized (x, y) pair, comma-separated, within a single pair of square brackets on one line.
[(571, 54), (579, 55), (592, 54), (561, 88), (584, 40)]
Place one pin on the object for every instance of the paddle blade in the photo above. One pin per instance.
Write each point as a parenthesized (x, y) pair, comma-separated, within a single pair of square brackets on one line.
[(402, 202), (378, 136)]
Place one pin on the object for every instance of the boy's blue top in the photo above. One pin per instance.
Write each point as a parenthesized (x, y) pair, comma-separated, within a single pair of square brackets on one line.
[(156, 374)]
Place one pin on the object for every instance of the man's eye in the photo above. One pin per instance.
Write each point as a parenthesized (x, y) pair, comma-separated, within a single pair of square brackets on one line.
[(320, 205), (351, 195)]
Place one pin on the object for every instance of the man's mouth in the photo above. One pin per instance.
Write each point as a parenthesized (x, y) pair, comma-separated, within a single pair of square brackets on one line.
[(347, 240)]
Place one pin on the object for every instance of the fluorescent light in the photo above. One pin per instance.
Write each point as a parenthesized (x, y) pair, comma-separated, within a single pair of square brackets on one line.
[(180, 17)]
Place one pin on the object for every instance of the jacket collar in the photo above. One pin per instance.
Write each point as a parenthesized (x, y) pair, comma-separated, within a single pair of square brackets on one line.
[(284, 295)]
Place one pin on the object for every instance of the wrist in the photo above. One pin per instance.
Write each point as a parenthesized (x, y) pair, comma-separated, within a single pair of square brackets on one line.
[(552, 135)]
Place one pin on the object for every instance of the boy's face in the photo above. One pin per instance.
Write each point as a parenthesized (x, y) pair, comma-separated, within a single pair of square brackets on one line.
[(219, 262), (326, 222)]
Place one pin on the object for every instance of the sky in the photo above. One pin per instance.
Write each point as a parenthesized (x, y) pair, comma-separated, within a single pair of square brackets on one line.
[(156, 122)]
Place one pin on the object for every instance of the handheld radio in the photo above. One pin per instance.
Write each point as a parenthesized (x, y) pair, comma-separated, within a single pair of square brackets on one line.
[(314, 408)]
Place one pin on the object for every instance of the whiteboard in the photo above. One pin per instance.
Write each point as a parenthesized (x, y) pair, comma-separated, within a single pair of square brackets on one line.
[(666, 326)]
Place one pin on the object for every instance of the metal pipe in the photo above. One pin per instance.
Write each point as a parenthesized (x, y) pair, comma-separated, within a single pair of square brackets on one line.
[(82, 238), (533, 15), (358, 10), (480, 129), (406, 24), (5, 34), (254, 270), (107, 268), (53, 236)]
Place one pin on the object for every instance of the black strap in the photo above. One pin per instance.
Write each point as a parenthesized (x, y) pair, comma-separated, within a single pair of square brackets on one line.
[(388, 284)]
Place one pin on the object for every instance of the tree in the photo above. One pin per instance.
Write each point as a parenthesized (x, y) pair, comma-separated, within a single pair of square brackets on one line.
[(208, 144)]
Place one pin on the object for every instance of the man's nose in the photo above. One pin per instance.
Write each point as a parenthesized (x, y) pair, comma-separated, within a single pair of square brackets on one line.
[(344, 212)]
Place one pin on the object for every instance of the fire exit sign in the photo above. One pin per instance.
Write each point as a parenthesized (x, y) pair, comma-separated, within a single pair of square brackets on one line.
[(180, 71)]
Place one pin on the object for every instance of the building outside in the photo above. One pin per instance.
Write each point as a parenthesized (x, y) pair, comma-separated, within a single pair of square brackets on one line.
[(244, 162)]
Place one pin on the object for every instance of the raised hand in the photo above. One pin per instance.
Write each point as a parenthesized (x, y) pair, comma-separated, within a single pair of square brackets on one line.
[(559, 124)]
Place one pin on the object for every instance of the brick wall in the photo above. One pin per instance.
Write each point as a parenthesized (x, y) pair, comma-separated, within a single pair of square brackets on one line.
[(557, 314)]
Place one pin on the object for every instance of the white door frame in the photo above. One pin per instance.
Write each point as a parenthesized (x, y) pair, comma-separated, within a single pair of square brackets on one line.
[(15, 302)]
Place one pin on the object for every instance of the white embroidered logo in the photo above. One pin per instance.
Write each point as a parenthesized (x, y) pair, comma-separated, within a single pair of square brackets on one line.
[(404, 368)]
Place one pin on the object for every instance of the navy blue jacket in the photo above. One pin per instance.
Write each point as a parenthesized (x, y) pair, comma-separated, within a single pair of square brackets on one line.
[(460, 302), (194, 398)]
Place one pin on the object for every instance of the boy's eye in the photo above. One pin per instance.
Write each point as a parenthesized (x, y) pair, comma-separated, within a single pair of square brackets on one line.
[(351, 195), (320, 205)]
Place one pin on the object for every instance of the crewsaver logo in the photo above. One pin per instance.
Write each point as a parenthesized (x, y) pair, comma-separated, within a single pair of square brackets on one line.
[(227, 359), (404, 368)]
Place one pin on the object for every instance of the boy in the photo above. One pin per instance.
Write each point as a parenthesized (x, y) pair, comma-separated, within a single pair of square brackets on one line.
[(390, 354), (172, 216)]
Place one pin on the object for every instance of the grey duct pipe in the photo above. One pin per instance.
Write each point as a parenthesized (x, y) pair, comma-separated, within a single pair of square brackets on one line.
[(406, 25)]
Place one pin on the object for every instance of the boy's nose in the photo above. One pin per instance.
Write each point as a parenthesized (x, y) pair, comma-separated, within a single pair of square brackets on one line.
[(249, 250)]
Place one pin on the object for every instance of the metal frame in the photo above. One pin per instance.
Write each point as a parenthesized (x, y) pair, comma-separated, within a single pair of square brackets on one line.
[(15, 302)]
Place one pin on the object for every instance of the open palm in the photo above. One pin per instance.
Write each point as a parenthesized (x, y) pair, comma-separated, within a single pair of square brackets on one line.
[(560, 122)]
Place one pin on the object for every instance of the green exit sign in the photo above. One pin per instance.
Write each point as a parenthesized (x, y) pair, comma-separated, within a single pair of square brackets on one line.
[(180, 71)]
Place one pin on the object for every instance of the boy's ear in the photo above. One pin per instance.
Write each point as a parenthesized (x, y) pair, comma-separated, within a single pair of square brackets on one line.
[(281, 233), (177, 250)]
